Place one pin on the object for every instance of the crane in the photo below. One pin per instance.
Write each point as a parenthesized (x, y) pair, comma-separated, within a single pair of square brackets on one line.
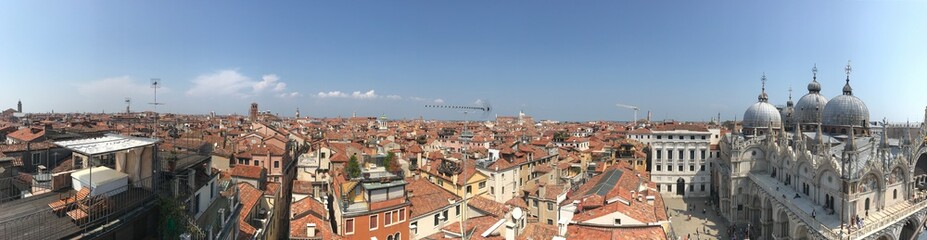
[(630, 107)]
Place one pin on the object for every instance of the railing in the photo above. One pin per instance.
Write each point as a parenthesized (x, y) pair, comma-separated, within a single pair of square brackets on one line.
[(804, 217), (892, 218), (83, 216)]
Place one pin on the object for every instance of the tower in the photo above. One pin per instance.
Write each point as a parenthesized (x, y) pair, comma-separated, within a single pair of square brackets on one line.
[(254, 112), (19, 106), (297, 112)]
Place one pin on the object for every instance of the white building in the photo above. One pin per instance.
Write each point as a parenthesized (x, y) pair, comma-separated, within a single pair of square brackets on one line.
[(681, 155)]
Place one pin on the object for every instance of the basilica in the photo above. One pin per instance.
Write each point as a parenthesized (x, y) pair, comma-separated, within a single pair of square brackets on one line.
[(822, 169)]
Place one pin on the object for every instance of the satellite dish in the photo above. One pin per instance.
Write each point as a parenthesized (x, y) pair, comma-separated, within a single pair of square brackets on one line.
[(517, 213)]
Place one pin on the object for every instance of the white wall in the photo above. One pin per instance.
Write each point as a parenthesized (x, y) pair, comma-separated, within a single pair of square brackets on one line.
[(426, 223)]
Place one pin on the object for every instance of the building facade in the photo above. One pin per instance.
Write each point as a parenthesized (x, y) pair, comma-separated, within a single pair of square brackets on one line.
[(838, 176)]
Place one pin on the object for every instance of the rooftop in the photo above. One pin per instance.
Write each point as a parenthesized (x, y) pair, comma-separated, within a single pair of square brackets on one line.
[(106, 144)]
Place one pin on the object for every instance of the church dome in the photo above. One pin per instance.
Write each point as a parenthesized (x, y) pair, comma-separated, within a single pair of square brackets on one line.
[(845, 110), (810, 107), (761, 115)]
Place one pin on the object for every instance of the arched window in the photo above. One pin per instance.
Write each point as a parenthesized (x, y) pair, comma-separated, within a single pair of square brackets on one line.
[(397, 236), (843, 131), (895, 194)]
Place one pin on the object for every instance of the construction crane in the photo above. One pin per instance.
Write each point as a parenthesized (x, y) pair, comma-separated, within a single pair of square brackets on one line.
[(630, 107)]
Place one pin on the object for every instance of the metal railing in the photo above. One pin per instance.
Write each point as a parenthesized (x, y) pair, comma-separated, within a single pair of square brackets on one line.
[(83, 216)]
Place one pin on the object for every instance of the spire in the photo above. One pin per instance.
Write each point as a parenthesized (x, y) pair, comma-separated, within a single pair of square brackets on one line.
[(814, 86), (884, 141), (851, 142), (819, 139), (847, 90), (797, 136), (790, 103), (763, 97)]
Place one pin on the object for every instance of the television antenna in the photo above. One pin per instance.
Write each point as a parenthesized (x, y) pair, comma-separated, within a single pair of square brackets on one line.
[(128, 105), (484, 107), (155, 84)]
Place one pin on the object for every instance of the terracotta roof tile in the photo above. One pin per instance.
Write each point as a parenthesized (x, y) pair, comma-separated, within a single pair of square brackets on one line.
[(246, 171), (427, 197)]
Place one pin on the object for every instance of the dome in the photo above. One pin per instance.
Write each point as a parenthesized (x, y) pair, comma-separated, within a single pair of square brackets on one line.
[(814, 87), (809, 108), (760, 115), (845, 110)]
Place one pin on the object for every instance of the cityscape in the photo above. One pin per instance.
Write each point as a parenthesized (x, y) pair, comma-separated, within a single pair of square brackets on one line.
[(416, 120)]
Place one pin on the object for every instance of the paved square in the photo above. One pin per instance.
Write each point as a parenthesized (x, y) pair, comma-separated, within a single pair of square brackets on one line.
[(695, 228)]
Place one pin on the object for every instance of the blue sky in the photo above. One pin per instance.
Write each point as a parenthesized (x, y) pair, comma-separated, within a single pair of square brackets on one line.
[(686, 60)]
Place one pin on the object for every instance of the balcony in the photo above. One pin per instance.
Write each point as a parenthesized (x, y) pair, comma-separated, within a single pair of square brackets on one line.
[(32, 218)]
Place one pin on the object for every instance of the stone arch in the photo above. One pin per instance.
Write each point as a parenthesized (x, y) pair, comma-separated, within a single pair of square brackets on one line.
[(885, 237), (802, 233), (909, 228), (766, 226), (871, 177), (782, 221)]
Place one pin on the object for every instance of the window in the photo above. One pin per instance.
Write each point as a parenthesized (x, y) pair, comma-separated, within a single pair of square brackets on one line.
[(669, 136), (256, 162), (659, 154), (702, 168), (658, 168), (374, 221), (414, 227), (322, 155), (503, 190), (659, 136), (396, 236), (895, 194), (349, 226), (444, 214), (457, 210), (703, 137), (669, 167), (550, 206), (276, 164), (469, 189), (535, 202), (703, 187), (617, 221), (669, 154), (482, 185), (402, 214), (36, 159), (680, 168), (550, 222), (692, 137), (691, 168), (440, 182), (492, 190), (703, 154), (681, 156), (437, 219)]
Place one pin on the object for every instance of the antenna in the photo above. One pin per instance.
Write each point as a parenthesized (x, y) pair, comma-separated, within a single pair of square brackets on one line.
[(486, 109), (128, 105), (155, 84)]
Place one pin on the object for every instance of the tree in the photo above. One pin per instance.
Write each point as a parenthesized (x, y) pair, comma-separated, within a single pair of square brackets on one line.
[(353, 169), (390, 163)]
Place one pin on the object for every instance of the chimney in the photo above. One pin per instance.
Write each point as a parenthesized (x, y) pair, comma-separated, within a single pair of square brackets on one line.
[(310, 230), (650, 199)]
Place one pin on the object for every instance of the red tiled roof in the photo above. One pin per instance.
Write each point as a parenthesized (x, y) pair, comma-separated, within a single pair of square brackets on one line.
[(271, 188), (476, 225), (302, 187), (249, 196), (27, 134), (584, 232), (246, 171), (489, 206), (427, 197), (386, 204)]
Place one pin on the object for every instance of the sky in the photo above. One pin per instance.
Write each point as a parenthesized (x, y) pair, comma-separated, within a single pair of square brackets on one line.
[(559, 60)]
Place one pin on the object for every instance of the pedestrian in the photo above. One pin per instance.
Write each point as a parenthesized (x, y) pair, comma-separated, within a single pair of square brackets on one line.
[(703, 211), (812, 213)]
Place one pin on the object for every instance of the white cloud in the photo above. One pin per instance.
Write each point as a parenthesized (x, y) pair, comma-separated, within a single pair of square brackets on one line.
[(367, 95), (289, 95), (231, 82), (332, 94), (354, 95), (394, 97), (439, 100), (418, 99)]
